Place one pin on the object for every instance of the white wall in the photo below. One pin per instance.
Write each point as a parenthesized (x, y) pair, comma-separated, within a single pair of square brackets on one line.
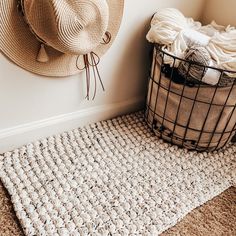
[(32, 107), (223, 12)]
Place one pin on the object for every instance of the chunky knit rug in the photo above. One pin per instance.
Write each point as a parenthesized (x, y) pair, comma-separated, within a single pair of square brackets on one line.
[(111, 178)]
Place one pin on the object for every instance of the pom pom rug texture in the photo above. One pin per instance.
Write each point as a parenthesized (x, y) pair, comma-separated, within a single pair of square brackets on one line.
[(114, 177)]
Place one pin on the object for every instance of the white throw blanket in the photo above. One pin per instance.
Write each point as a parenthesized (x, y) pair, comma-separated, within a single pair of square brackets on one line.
[(177, 33), (170, 28)]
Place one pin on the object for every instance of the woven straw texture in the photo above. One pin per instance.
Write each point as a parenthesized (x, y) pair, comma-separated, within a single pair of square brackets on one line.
[(111, 178), (74, 27), (19, 44)]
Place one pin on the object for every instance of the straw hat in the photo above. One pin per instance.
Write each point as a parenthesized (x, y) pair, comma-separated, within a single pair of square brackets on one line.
[(51, 37)]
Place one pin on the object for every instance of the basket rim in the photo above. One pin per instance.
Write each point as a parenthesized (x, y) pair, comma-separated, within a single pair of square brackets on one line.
[(159, 48)]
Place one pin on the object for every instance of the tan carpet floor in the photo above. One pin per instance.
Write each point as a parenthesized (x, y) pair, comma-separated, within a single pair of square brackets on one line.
[(215, 218)]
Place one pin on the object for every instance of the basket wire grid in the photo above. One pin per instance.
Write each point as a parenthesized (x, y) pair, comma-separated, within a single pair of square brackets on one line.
[(157, 120)]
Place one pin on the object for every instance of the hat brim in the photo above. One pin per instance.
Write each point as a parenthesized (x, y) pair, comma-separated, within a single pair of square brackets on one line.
[(20, 45)]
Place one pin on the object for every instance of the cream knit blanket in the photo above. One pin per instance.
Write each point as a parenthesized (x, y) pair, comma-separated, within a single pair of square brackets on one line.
[(177, 33)]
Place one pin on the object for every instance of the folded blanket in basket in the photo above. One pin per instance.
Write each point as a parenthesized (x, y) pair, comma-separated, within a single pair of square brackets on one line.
[(222, 48), (170, 28)]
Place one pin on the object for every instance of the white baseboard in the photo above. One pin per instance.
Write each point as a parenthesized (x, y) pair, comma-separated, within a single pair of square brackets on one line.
[(17, 136)]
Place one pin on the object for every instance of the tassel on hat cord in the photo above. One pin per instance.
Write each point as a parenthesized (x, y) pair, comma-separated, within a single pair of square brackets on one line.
[(42, 54)]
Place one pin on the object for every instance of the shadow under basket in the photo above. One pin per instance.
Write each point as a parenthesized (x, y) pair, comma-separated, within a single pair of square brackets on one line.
[(186, 111)]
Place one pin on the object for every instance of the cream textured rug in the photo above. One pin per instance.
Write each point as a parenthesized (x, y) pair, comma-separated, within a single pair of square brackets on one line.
[(111, 178)]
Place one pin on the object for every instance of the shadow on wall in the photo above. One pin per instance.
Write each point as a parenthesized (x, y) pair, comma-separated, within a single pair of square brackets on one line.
[(27, 97), (133, 65), (223, 12)]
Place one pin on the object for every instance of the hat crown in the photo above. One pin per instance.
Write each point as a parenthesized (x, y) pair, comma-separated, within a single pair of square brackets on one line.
[(19, 43), (70, 26)]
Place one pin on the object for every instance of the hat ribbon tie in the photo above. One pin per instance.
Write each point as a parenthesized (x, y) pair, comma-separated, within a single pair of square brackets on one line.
[(91, 60)]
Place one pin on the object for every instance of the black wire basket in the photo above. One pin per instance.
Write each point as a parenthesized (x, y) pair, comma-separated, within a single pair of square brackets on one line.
[(186, 111)]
